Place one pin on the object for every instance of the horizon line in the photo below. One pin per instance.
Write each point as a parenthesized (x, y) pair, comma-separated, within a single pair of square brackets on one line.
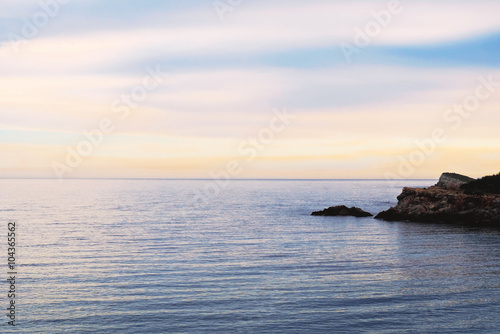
[(211, 179)]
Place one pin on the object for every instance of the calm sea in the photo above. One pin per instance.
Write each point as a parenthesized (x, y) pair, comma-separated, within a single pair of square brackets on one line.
[(138, 256)]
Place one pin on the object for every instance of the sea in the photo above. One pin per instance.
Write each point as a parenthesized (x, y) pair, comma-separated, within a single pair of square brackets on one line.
[(245, 256)]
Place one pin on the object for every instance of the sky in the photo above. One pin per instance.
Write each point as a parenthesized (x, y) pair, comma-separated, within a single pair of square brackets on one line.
[(249, 89)]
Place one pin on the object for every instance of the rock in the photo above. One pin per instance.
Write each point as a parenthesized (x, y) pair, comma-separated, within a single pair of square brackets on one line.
[(342, 210), (436, 204), (453, 181)]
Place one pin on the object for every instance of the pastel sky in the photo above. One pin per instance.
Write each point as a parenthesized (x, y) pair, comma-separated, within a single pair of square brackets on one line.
[(227, 68)]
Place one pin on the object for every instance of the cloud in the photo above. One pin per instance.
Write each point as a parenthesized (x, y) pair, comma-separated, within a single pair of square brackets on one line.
[(255, 29)]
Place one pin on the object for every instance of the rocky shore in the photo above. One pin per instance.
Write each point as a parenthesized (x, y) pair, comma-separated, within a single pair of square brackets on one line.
[(448, 201)]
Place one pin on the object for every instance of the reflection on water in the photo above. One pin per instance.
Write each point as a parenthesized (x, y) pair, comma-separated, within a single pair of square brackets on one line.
[(103, 256)]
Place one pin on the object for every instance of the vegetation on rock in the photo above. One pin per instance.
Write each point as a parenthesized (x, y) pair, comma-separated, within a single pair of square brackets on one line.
[(485, 185)]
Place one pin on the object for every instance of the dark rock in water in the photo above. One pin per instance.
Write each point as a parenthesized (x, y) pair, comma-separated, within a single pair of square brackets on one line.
[(453, 181), (437, 204), (342, 210)]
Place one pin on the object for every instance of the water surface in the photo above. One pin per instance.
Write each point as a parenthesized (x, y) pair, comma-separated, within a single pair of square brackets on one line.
[(138, 256)]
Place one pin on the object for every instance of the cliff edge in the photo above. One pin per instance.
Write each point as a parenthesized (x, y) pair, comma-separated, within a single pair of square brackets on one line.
[(447, 202)]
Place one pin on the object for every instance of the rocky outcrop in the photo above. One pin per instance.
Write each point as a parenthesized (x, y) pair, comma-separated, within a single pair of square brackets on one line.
[(342, 210), (453, 181), (444, 204)]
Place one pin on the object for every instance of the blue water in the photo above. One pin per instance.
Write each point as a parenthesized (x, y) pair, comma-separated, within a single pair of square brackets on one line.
[(138, 256)]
